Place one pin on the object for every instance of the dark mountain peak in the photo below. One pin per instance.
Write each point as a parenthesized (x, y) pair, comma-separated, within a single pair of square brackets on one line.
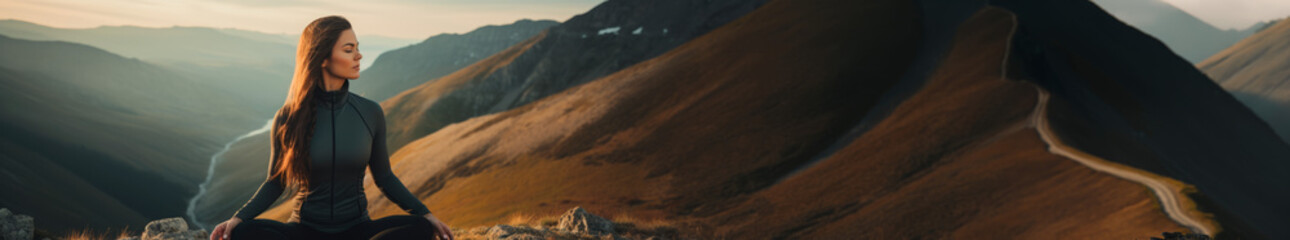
[(683, 17), (1129, 99)]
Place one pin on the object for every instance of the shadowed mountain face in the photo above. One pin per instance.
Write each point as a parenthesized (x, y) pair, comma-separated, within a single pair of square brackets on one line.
[(606, 39), (116, 141), (401, 69), (1188, 36), (1122, 96), (1257, 71), (959, 159)]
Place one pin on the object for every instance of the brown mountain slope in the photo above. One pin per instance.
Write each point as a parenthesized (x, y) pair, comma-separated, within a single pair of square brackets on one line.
[(958, 159), (409, 107), (1257, 71), (680, 134), (582, 49)]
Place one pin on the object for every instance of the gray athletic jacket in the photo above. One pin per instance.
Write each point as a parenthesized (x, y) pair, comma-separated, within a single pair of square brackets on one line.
[(349, 136)]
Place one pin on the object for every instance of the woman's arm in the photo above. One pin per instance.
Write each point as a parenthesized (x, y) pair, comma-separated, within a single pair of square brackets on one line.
[(379, 165), (271, 188)]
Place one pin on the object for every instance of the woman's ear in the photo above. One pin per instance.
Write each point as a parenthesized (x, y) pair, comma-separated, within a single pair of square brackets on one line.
[(324, 64)]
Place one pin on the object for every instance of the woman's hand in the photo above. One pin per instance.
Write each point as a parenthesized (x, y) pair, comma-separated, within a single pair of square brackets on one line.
[(223, 229), (445, 233)]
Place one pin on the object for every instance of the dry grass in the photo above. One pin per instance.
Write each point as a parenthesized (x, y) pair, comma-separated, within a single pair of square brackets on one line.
[(625, 226), (632, 226), (88, 234)]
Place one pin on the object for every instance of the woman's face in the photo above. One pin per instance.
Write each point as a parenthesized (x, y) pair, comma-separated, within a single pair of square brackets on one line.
[(344, 58)]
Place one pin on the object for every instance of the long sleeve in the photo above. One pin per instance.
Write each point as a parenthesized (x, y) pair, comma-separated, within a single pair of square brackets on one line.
[(270, 190), (384, 177)]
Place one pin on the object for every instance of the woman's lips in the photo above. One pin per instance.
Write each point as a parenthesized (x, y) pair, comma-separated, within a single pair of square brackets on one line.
[(355, 67)]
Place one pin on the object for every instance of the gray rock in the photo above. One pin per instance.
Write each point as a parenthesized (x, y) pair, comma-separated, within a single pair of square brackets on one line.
[(172, 229), (580, 221), (16, 226), (164, 227)]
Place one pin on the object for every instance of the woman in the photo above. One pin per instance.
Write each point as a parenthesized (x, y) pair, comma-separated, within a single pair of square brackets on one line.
[(322, 139)]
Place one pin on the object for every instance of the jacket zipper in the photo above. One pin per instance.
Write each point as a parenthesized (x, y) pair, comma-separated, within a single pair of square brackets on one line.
[(333, 164)]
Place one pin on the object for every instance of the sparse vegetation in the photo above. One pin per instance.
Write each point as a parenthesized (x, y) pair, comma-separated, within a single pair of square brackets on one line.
[(87, 234), (545, 227)]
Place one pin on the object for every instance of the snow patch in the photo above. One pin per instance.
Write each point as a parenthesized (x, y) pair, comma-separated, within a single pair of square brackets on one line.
[(638, 30), (609, 30)]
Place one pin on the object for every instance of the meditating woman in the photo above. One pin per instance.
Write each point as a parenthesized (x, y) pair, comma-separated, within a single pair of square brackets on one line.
[(322, 139)]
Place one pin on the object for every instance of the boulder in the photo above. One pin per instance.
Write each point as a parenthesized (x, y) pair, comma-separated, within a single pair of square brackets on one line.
[(172, 229), (578, 220), (16, 226)]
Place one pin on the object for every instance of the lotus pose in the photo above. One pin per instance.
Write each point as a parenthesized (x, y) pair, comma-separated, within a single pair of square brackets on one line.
[(322, 139)]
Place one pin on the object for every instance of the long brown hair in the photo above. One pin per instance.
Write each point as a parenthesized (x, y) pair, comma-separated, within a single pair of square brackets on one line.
[(294, 123)]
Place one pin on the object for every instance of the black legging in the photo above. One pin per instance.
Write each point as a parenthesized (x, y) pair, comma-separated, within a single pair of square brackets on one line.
[(392, 227)]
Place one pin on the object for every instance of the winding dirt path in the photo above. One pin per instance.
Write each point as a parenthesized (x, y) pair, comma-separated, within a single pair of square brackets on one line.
[(1169, 191)]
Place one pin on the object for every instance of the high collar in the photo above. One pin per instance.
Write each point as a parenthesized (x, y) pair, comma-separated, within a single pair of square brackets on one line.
[(334, 99)]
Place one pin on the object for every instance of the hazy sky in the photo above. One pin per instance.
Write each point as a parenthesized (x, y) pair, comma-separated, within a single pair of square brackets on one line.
[(418, 19), (415, 19), (1238, 14)]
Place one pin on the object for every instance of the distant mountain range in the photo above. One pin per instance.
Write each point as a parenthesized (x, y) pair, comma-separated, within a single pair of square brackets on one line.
[(1257, 71), (255, 66), (98, 139), (1186, 35)]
